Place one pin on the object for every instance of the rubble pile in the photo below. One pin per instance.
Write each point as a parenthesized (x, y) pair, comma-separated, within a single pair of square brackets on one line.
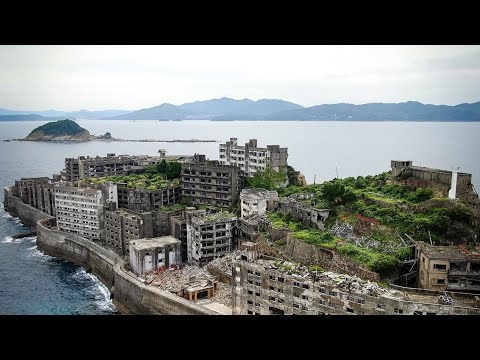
[(445, 299), (223, 294), (344, 231), (224, 263), (341, 281), (355, 284), (177, 280)]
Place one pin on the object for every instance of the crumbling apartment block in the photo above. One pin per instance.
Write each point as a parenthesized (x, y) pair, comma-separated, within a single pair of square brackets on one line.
[(296, 206), (210, 237), (267, 286)]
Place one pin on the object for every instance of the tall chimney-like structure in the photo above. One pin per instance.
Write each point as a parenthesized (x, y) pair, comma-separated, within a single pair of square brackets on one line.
[(452, 193)]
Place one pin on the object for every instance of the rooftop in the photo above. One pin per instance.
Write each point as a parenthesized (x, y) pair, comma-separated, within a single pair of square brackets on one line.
[(255, 193), (423, 168), (144, 244), (353, 284), (215, 217), (442, 252)]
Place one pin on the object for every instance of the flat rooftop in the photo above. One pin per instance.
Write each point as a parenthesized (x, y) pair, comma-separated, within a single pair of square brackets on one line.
[(149, 243), (443, 252), (216, 217), (423, 168)]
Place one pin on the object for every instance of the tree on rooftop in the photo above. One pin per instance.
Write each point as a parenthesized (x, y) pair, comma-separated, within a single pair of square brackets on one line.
[(269, 179)]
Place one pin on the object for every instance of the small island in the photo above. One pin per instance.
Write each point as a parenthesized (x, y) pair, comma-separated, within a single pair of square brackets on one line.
[(69, 131), (59, 131)]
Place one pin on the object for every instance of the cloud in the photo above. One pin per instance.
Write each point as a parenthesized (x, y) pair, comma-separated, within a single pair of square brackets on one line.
[(131, 77)]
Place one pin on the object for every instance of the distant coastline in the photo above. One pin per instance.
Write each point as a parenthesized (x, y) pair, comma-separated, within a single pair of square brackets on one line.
[(122, 140), (227, 109)]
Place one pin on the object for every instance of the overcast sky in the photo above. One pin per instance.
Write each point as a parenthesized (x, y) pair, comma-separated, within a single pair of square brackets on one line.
[(134, 77)]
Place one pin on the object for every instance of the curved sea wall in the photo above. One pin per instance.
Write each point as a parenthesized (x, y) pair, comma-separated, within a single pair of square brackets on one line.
[(130, 295), (27, 214)]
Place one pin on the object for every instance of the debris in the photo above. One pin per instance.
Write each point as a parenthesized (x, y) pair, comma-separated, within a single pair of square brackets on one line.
[(445, 299), (177, 280)]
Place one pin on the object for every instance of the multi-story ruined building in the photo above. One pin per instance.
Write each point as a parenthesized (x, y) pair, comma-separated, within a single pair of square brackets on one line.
[(210, 237), (123, 226), (250, 227), (263, 286), (207, 182), (251, 158), (452, 268), (178, 227), (257, 201), (298, 207), (87, 167), (154, 254), (144, 200), (81, 210), (38, 192)]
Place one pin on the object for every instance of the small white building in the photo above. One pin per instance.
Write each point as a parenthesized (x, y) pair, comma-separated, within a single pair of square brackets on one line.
[(257, 201), (153, 254)]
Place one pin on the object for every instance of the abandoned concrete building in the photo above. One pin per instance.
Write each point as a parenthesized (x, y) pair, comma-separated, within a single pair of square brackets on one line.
[(424, 176), (38, 192), (263, 286), (257, 201), (250, 158), (452, 268), (210, 237), (99, 166), (144, 200), (81, 210), (250, 227), (154, 254), (123, 226), (178, 227), (296, 206), (207, 182)]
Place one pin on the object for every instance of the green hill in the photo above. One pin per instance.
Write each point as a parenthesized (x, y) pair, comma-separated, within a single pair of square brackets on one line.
[(63, 130)]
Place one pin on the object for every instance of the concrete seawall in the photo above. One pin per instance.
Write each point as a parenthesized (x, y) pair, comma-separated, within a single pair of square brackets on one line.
[(130, 295)]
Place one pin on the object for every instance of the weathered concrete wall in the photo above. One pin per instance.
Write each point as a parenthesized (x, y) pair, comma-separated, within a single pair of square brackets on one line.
[(311, 254), (26, 213), (221, 275), (278, 234), (130, 295)]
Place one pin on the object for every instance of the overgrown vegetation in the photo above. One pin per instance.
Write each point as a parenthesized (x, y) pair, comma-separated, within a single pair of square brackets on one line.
[(169, 169), (269, 179), (156, 177), (397, 208), (370, 258), (62, 127)]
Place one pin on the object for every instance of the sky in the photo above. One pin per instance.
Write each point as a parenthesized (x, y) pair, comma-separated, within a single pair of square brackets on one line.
[(100, 77)]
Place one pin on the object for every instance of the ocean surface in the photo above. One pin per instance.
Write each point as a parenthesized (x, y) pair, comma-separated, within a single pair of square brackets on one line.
[(33, 283)]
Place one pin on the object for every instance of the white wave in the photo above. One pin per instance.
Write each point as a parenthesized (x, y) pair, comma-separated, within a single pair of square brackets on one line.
[(7, 216), (38, 254), (7, 240), (32, 248), (105, 304), (102, 295)]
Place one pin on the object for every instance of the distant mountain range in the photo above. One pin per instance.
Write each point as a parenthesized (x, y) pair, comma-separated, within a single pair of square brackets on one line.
[(270, 109), (54, 114)]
